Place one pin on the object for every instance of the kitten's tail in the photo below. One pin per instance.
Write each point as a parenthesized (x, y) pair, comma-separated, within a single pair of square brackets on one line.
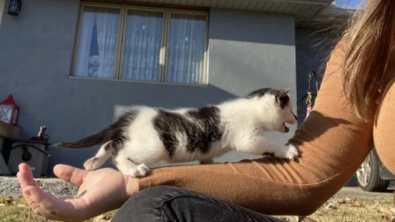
[(107, 134)]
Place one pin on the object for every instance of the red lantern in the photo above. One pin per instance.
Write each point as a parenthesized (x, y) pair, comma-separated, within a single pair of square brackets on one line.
[(9, 110)]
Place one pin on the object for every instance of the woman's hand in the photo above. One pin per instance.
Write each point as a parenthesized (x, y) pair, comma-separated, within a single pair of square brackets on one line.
[(99, 191)]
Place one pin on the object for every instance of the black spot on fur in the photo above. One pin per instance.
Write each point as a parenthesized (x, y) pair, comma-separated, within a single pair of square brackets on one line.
[(281, 97), (262, 92), (200, 129), (207, 131), (283, 101), (121, 124), (167, 124)]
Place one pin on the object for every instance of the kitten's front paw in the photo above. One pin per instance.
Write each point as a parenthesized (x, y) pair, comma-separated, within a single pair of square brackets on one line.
[(289, 152), (292, 152), (91, 164)]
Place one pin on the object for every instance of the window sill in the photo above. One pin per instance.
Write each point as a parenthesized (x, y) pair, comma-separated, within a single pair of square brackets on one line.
[(138, 81)]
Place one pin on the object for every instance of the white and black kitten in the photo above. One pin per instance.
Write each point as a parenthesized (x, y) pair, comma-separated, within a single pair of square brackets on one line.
[(146, 135)]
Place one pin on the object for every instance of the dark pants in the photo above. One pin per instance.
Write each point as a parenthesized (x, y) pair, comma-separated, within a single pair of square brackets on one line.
[(164, 203)]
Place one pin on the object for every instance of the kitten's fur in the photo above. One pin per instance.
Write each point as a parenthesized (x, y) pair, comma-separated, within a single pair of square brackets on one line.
[(147, 135)]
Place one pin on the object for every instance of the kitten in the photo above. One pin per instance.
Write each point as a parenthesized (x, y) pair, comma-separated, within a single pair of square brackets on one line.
[(146, 135)]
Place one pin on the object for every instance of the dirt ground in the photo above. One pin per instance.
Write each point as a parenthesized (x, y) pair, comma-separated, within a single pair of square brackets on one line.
[(359, 193)]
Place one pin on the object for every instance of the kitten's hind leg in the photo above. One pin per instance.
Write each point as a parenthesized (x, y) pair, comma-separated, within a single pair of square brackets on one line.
[(142, 169), (100, 158), (128, 167)]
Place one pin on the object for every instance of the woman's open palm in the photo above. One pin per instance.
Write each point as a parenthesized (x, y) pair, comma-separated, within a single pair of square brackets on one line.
[(99, 191)]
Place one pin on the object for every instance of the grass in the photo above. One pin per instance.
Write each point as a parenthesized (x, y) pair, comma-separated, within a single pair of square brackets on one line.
[(16, 210), (338, 209), (344, 209)]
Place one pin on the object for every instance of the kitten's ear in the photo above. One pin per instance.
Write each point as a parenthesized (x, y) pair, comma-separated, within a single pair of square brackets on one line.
[(281, 94)]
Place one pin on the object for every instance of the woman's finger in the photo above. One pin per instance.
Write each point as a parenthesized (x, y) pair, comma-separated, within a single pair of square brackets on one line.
[(44, 204), (25, 176), (70, 174)]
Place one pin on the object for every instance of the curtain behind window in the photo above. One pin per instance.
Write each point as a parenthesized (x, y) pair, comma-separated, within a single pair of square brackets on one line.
[(97, 42), (185, 58), (143, 39)]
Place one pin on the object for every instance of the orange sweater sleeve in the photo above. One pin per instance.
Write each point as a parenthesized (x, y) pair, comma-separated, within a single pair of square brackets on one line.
[(333, 143)]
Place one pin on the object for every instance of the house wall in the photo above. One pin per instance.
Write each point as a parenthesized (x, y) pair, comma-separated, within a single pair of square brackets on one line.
[(246, 51), (312, 51)]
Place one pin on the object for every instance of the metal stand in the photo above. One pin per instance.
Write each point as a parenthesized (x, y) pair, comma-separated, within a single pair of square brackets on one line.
[(3, 166)]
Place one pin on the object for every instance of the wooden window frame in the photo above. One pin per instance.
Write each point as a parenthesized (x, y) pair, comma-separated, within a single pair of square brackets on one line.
[(121, 37)]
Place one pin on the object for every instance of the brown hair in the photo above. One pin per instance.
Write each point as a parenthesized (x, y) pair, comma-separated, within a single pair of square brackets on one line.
[(367, 53)]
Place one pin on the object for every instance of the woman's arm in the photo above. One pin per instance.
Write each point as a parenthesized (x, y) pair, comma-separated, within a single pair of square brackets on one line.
[(333, 143)]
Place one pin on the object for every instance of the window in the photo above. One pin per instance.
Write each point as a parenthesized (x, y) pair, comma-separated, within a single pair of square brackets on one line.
[(141, 44)]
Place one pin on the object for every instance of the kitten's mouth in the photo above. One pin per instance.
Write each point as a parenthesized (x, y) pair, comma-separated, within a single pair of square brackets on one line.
[(286, 129)]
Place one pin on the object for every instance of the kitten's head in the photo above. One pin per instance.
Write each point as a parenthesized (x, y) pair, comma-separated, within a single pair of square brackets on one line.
[(274, 107)]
